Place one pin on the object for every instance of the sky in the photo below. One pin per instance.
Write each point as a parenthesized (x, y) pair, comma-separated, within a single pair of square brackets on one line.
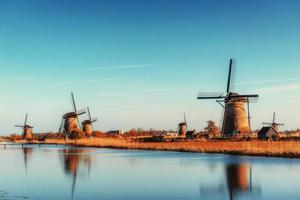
[(141, 64)]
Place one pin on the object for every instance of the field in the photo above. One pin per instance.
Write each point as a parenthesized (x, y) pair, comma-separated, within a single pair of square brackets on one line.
[(289, 149)]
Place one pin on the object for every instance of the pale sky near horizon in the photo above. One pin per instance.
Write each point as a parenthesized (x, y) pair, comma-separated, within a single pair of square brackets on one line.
[(142, 63)]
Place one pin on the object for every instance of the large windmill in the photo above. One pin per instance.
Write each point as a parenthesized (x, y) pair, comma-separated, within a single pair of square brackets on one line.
[(27, 129), (70, 121), (235, 118), (273, 124), (87, 125)]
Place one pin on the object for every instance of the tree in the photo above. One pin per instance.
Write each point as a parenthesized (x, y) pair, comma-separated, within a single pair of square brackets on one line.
[(212, 128)]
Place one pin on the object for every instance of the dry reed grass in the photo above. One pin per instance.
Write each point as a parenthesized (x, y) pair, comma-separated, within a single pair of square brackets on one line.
[(289, 149)]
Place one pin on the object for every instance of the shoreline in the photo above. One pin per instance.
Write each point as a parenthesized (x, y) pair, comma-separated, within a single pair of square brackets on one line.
[(282, 149)]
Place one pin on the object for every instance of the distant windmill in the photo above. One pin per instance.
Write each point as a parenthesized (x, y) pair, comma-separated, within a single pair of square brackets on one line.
[(27, 129), (87, 125), (182, 127), (70, 121), (235, 119), (274, 124)]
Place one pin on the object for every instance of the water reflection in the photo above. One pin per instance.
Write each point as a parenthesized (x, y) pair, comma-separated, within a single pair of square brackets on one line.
[(238, 183), (146, 175), (76, 161), (237, 178), (27, 152)]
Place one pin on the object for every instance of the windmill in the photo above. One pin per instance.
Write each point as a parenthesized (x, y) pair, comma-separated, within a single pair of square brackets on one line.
[(235, 119), (27, 129), (273, 124), (70, 122), (182, 127), (87, 125)]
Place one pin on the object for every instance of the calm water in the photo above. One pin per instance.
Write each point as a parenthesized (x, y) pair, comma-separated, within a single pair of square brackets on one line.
[(62, 172)]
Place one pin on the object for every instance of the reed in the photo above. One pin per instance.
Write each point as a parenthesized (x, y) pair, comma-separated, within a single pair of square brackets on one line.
[(289, 149)]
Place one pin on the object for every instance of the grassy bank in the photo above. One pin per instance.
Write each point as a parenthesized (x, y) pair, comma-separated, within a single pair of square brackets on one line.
[(290, 149)]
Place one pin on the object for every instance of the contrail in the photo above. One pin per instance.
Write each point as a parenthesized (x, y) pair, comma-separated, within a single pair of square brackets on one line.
[(118, 67), (267, 81)]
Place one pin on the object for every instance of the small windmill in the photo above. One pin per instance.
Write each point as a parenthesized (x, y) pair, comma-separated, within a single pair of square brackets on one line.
[(235, 119), (27, 129), (182, 127), (70, 121), (87, 125), (274, 124)]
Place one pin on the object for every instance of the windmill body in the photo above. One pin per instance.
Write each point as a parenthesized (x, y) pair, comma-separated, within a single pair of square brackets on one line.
[(27, 132), (235, 119), (182, 129), (70, 122), (87, 125)]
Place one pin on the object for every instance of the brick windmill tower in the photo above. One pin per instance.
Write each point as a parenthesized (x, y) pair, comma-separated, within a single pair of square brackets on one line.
[(70, 122), (27, 129), (235, 120), (87, 125), (182, 127)]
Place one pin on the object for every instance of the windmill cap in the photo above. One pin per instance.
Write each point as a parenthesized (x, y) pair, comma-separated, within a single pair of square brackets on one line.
[(70, 114), (28, 126), (182, 124), (86, 122)]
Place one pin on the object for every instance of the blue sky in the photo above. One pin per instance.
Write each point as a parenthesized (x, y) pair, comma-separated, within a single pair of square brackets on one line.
[(142, 63)]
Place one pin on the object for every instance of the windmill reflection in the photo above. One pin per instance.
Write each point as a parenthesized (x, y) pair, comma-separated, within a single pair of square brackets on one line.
[(76, 161), (239, 180), (27, 152), (239, 183)]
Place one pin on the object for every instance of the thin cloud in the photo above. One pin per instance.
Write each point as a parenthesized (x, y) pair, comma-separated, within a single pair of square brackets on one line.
[(279, 88), (267, 81), (119, 67), (89, 81), (104, 95)]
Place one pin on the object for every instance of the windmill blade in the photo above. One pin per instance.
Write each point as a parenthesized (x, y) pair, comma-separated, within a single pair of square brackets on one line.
[(248, 112), (73, 101), (61, 127), (211, 95), (266, 123), (274, 115), (229, 76), (81, 111), (221, 103), (184, 118), (25, 122), (20, 126), (222, 120), (93, 119), (89, 114)]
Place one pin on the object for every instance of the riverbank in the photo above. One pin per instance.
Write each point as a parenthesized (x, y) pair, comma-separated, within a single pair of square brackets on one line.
[(287, 149)]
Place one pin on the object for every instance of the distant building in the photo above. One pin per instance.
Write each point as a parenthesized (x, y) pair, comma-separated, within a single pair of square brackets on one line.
[(115, 132), (268, 133), (172, 134), (190, 134)]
